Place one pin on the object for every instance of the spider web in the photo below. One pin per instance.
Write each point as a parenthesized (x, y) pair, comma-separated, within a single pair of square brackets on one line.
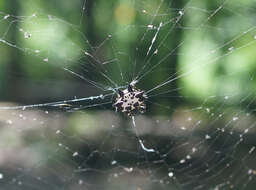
[(65, 63)]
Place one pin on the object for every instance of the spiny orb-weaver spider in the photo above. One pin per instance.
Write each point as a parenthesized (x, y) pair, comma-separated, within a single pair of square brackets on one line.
[(130, 101)]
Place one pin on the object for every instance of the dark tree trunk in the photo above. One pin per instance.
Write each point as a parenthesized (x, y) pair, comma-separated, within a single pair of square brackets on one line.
[(13, 70)]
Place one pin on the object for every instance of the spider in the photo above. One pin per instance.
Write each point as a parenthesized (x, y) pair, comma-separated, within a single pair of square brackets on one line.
[(130, 101)]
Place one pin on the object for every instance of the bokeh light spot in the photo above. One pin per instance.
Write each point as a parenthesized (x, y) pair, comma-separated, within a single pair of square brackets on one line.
[(124, 14)]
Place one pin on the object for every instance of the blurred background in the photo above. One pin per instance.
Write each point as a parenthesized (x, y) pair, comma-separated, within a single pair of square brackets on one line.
[(196, 60)]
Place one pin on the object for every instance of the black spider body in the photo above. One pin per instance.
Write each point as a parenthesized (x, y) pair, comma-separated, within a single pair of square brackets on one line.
[(130, 101)]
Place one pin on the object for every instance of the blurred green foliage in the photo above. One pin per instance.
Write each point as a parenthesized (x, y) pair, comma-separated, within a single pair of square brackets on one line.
[(117, 36)]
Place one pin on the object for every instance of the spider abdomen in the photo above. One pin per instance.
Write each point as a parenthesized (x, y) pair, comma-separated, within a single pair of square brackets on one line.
[(130, 101)]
